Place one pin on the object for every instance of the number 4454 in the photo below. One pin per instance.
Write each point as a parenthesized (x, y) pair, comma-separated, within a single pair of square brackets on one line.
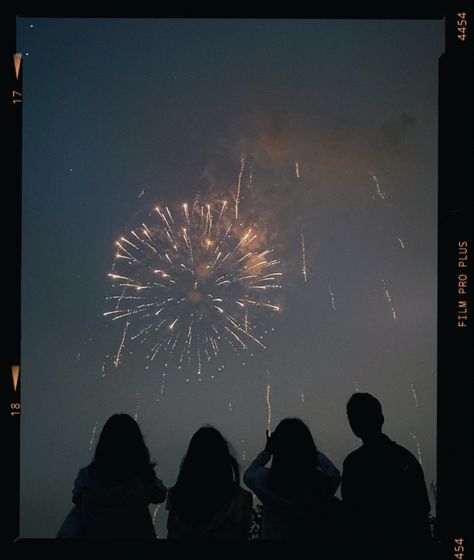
[(459, 549), (462, 25)]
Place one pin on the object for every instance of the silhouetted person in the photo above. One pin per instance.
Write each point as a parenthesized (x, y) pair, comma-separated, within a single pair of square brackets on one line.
[(297, 490), (383, 488), (207, 502), (112, 494)]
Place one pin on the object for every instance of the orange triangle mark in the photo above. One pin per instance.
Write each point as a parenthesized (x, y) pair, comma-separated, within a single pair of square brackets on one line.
[(17, 62), (15, 375)]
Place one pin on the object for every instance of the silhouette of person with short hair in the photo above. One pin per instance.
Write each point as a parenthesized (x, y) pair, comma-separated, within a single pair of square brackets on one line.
[(112, 494), (207, 501), (383, 488), (297, 490)]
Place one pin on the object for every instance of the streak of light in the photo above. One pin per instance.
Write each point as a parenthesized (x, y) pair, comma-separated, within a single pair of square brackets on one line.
[(413, 392), (379, 192), (389, 300), (94, 430), (269, 407), (121, 346), (244, 452), (418, 448), (303, 255), (333, 301), (237, 195)]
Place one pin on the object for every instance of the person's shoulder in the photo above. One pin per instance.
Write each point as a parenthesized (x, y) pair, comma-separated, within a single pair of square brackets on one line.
[(405, 455), (354, 457), (84, 474)]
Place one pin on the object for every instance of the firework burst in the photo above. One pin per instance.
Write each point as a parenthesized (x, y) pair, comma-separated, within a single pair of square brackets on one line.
[(191, 282)]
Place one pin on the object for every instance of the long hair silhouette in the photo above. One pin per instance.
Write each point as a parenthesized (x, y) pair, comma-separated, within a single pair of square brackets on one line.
[(295, 458), (208, 478), (121, 453)]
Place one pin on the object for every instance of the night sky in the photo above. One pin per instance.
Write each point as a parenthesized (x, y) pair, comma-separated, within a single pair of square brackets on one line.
[(122, 115)]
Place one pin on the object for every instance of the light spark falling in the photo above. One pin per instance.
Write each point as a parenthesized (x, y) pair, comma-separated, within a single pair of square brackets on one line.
[(239, 181), (94, 430), (413, 392), (304, 269), (302, 397), (389, 300), (297, 169), (401, 242), (121, 346), (376, 181), (269, 408), (333, 301), (418, 449)]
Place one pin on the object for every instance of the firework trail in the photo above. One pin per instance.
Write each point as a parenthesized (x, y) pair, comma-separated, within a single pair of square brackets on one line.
[(303, 256), (94, 430), (418, 449), (297, 169), (356, 385), (389, 300), (302, 397), (121, 346), (142, 192), (413, 392), (379, 192), (401, 242), (237, 195), (189, 284), (269, 408), (230, 406), (333, 301), (244, 452)]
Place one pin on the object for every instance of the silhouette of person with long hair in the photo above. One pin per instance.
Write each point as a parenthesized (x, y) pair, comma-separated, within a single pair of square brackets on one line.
[(383, 488), (298, 487), (207, 501), (112, 494)]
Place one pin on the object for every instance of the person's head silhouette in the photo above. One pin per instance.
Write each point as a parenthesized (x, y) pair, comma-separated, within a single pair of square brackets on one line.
[(121, 453), (295, 457), (208, 477), (365, 416)]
